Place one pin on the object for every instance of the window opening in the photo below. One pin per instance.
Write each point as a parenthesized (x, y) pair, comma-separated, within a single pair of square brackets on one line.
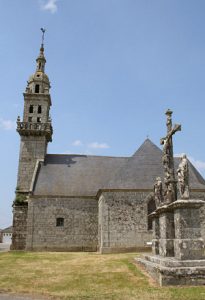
[(60, 222), (39, 109), (38, 119), (31, 109), (30, 119), (37, 88)]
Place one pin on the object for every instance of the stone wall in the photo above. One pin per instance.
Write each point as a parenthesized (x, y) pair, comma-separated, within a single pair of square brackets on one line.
[(79, 232), (19, 227), (32, 148), (200, 196), (123, 221), (123, 224), (119, 224)]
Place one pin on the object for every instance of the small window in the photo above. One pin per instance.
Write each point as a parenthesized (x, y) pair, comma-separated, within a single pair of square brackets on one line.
[(31, 109), (37, 88), (30, 119), (39, 66), (39, 109), (38, 119), (60, 222)]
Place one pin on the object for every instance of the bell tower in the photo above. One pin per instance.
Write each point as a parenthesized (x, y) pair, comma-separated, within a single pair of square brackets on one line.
[(35, 129)]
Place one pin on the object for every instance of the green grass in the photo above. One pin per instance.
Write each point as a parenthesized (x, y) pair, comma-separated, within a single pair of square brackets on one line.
[(84, 276)]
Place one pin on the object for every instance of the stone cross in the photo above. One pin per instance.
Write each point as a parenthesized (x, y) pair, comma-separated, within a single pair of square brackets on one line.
[(170, 192)]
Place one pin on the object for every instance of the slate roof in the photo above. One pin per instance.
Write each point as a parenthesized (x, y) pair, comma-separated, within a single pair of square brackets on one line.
[(84, 175), (76, 175), (145, 165)]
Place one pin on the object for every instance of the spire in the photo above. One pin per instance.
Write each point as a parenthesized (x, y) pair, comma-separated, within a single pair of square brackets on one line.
[(37, 101), (38, 82), (41, 61)]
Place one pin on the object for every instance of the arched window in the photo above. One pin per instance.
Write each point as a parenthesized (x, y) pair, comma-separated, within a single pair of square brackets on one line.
[(151, 206)]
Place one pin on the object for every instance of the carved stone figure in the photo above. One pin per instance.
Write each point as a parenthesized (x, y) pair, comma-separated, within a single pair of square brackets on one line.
[(158, 192), (183, 177), (170, 190)]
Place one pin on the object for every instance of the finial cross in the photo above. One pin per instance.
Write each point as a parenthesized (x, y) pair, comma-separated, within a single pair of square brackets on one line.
[(43, 32)]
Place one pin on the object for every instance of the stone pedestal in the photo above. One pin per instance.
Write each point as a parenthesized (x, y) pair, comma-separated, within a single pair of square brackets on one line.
[(166, 231), (188, 243), (178, 249), (155, 240)]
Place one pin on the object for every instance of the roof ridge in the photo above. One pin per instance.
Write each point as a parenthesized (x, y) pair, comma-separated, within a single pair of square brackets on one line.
[(86, 155), (148, 145)]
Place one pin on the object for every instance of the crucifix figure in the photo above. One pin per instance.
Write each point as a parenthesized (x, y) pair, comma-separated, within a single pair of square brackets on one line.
[(170, 191)]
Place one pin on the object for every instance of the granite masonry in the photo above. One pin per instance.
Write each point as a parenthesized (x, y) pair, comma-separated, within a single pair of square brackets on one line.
[(82, 202)]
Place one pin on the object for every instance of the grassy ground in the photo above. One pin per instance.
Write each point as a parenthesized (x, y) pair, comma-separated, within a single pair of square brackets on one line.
[(84, 276)]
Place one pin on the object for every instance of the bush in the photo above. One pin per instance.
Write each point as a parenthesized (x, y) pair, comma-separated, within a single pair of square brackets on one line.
[(20, 199)]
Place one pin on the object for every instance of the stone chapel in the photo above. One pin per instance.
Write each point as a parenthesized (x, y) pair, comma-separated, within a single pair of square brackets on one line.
[(81, 202)]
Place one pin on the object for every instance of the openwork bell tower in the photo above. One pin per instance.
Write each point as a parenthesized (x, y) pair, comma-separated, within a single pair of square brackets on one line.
[(35, 129)]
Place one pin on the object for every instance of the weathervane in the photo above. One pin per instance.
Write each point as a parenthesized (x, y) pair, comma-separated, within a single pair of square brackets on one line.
[(43, 32)]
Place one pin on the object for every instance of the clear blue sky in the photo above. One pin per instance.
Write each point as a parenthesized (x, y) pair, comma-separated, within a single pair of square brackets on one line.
[(115, 66)]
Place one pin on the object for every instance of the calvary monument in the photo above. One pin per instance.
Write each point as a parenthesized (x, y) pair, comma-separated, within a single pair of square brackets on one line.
[(177, 246)]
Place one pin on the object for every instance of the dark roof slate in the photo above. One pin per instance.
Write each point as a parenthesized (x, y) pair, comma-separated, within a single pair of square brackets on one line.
[(84, 175), (145, 165), (76, 175)]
